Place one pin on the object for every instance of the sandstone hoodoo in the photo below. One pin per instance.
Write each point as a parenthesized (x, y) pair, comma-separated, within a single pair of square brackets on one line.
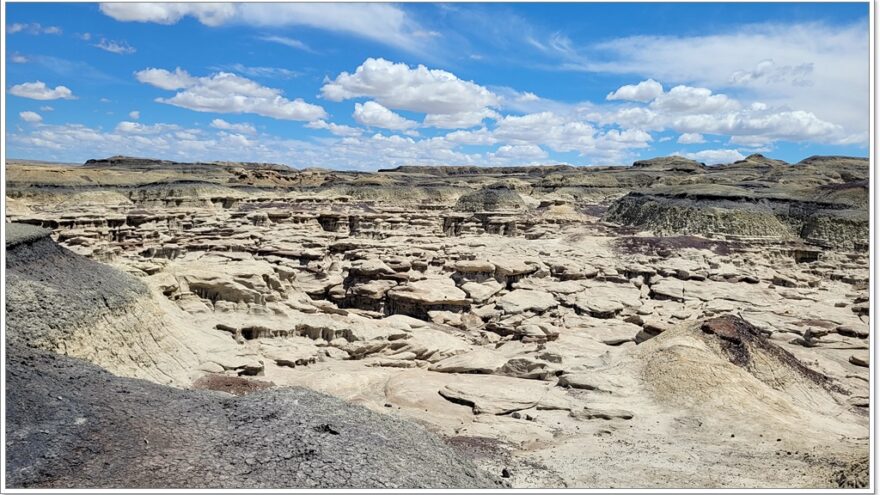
[(248, 325)]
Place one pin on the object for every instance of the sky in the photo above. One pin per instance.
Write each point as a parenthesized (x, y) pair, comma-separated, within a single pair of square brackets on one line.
[(367, 86)]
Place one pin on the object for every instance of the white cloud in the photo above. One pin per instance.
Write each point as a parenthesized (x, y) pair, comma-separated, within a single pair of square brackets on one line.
[(567, 134), (243, 127), (46, 108), (134, 115), (523, 153), (693, 111), (210, 14), (39, 91), (771, 124), (373, 114), (117, 47), (290, 42), (815, 67), (74, 142), (400, 87), (535, 128), (713, 157), (32, 28), (643, 91), (384, 23), (236, 139), (18, 58), (30, 117), (480, 137), (164, 79), (687, 99), (462, 120), (691, 138), (751, 141), (126, 127), (768, 72), (224, 92), (335, 129), (638, 117)]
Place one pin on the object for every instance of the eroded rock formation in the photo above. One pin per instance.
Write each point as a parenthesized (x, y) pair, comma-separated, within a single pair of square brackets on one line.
[(667, 324)]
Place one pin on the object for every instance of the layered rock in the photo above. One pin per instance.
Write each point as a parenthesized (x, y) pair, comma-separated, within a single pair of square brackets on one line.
[(542, 338)]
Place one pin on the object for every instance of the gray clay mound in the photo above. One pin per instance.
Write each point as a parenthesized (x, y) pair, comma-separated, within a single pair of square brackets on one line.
[(51, 290), (72, 424)]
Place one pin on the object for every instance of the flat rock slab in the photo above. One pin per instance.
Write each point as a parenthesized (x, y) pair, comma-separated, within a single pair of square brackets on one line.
[(474, 266), (495, 394), (607, 300), (436, 291), (522, 300), (477, 361), (481, 291)]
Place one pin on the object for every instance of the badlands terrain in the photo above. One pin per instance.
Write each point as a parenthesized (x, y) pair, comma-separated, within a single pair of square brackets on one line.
[(665, 324)]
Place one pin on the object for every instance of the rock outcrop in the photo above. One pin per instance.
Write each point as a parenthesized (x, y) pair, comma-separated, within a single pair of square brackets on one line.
[(666, 324)]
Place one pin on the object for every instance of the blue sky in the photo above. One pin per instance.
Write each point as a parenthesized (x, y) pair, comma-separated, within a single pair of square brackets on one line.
[(365, 86)]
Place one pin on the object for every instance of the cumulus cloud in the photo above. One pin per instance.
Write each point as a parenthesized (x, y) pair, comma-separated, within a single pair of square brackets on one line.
[(714, 157), (224, 92), (687, 99), (778, 125), (399, 87), (30, 117), (243, 127), (560, 133), (373, 114), (383, 23), (335, 129), (480, 137), (691, 138), (811, 66), (126, 127), (164, 79), (694, 111), (134, 115), (524, 152), (39, 91), (462, 120), (643, 91), (117, 47)]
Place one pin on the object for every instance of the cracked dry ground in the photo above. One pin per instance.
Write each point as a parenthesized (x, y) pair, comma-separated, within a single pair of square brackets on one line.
[(566, 353)]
